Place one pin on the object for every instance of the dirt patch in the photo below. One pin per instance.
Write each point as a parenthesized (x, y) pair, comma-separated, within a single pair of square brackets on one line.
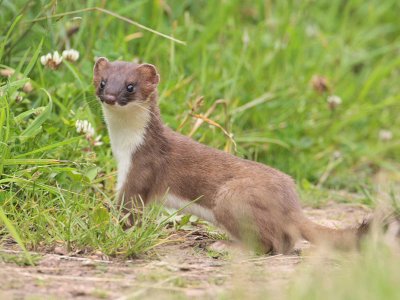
[(186, 269)]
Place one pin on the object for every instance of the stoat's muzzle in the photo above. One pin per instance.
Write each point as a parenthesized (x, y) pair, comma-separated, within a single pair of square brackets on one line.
[(109, 99)]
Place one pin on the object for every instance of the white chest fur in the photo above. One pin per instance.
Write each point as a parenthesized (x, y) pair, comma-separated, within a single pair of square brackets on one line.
[(126, 128)]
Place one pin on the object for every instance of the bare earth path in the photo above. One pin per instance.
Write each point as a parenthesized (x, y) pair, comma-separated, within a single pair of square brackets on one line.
[(182, 270)]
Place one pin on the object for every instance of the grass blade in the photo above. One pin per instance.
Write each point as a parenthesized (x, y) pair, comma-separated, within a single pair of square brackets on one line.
[(30, 161), (35, 126), (15, 235), (108, 12), (49, 147), (5, 41)]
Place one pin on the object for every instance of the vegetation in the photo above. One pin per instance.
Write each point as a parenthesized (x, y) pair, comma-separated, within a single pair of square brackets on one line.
[(308, 87)]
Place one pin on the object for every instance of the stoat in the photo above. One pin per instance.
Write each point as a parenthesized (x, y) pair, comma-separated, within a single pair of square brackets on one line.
[(252, 201)]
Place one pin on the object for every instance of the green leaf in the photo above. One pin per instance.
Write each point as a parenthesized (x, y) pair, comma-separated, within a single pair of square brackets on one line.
[(76, 176), (35, 126), (92, 173)]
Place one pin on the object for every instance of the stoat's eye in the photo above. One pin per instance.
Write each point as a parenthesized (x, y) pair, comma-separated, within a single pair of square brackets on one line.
[(102, 84), (130, 88)]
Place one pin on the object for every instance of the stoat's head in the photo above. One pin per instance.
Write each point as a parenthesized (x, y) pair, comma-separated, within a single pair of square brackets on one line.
[(121, 83)]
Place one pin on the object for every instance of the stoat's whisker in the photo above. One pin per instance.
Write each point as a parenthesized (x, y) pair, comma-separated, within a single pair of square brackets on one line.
[(145, 108)]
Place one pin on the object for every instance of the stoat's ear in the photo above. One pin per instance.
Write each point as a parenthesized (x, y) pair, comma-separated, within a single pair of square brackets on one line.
[(148, 73), (100, 64)]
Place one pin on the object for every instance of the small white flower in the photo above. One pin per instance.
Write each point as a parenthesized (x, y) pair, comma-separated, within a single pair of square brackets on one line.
[(70, 55), (45, 58), (385, 135), (334, 101), (84, 126), (57, 58), (51, 61), (97, 141)]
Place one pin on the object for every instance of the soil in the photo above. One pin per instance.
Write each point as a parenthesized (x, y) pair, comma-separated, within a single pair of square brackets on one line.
[(198, 267)]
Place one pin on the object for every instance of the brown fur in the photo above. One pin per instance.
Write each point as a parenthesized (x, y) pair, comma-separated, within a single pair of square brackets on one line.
[(250, 200)]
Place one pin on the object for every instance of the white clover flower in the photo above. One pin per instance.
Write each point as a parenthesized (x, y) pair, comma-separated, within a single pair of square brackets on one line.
[(334, 101), (70, 55), (84, 126), (57, 58), (45, 58), (385, 135), (51, 61), (97, 141)]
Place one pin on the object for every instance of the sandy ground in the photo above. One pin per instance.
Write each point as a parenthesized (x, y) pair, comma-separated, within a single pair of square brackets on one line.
[(183, 270)]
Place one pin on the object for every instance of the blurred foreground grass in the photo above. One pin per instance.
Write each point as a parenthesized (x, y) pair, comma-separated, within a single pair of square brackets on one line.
[(374, 274)]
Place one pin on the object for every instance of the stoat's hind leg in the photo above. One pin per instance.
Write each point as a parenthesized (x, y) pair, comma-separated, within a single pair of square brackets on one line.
[(257, 216)]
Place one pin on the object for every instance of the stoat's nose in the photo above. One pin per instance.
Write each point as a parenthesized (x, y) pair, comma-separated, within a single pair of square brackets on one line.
[(110, 99)]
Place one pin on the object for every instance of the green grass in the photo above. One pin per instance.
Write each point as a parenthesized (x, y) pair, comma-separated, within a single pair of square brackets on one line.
[(370, 276), (19, 259), (327, 275), (251, 63)]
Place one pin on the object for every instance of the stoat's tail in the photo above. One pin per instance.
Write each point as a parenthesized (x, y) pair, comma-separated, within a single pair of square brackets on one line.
[(348, 238)]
